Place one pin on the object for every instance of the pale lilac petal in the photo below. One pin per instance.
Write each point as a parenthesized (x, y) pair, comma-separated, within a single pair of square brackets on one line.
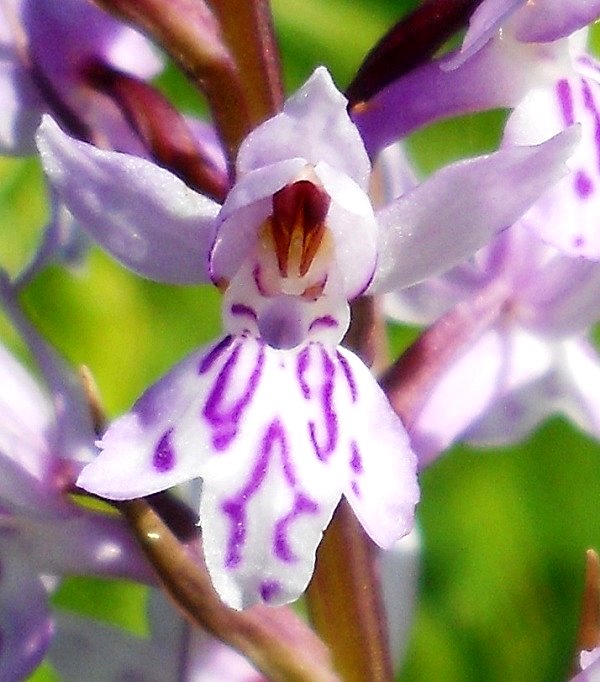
[(483, 25), (79, 650), (86, 543), (430, 92), (538, 384), (353, 227), (21, 109), (142, 214), (314, 125), (25, 623), (86, 33), (576, 392), (567, 216), (383, 491), (540, 22), (400, 569), (493, 367), (393, 175), (590, 666), (564, 297), (459, 208)]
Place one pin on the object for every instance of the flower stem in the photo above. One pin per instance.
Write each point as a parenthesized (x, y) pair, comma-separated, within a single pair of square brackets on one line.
[(345, 604)]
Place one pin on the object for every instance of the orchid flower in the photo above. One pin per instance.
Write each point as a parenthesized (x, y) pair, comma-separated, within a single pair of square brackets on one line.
[(533, 361), (527, 57), (43, 536), (276, 418)]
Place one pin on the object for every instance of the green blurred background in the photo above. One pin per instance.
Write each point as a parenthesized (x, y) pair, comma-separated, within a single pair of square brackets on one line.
[(504, 532)]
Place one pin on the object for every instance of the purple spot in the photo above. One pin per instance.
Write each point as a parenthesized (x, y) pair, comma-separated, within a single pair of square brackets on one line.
[(270, 589), (235, 508), (583, 184), (241, 310), (237, 536), (213, 355), (225, 421), (356, 460), (329, 416), (355, 488), (281, 547), (565, 98), (326, 321), (163, 459), (302, 364), (578, 241), (348, 374)]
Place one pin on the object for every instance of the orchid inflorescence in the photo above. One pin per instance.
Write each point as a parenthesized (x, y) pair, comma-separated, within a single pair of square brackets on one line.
[(281, 459)]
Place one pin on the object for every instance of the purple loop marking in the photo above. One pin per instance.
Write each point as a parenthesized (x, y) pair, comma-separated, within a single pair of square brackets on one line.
[(344, 364), (163, 459), (225, 420), (281, 544), (302, 365), (235, 507), (323, 452), (213, 355)]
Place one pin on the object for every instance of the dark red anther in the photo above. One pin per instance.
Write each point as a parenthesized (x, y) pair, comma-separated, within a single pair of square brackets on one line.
[(161, 128), (299, 212), (411, 42)]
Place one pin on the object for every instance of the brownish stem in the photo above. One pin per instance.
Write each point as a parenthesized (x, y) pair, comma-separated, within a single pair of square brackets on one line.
[(345, 603), (189, 32), (247, 27), (413, 40), (588, 637), (274, 639)]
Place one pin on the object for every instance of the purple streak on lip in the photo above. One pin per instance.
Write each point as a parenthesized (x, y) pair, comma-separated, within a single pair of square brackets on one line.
[(329, 415), (356, 459), (241, 310), (348, 374), (281, 545), (235, 508), (270, 589), (355, 488), (326, 321), (163, 458), (213, 355), (302, 364), (590, 105), (225, 421), (565, 99), (584, 186)]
